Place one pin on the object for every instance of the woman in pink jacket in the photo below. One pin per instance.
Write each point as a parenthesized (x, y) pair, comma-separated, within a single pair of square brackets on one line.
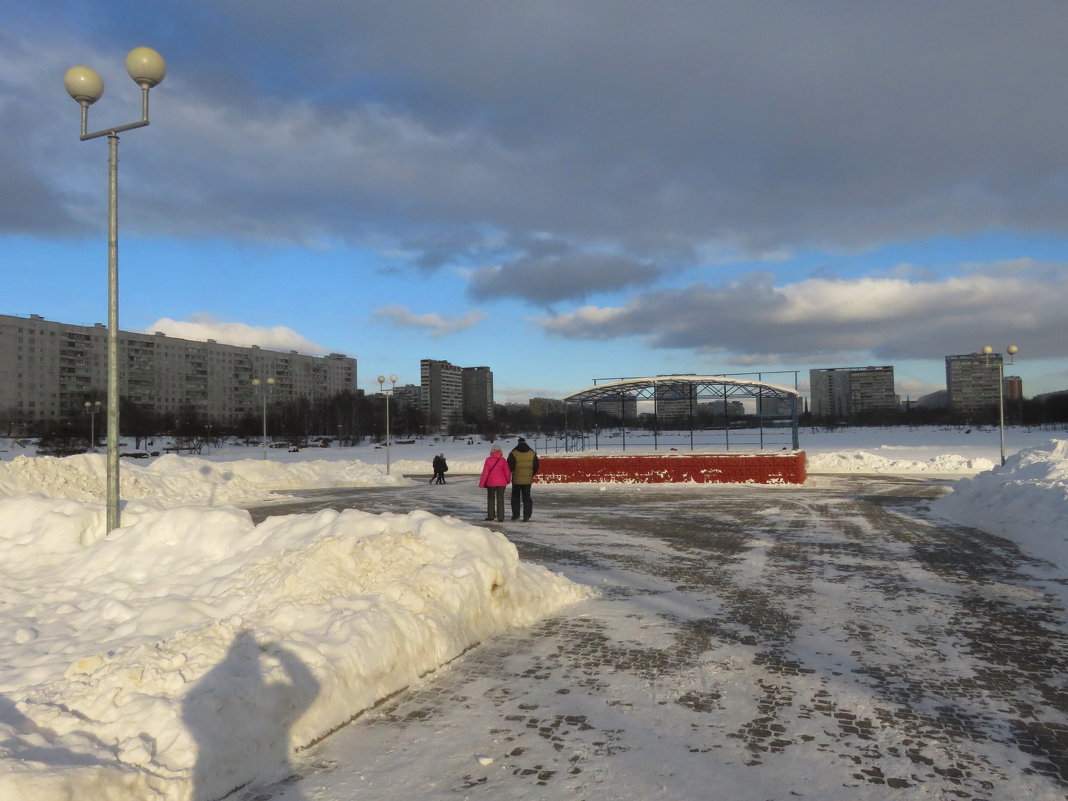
[(495, 477)]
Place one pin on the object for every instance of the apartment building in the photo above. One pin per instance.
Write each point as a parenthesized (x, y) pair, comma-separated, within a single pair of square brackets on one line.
[(477, 393), (441, 393), (843, 393), (48, 370), (972, 382)]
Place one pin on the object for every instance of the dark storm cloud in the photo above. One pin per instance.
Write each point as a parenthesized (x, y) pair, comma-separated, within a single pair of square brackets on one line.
[(546, 278), (757, 320), (450, 131)]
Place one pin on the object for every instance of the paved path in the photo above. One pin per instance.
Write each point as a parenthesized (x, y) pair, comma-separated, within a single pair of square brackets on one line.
[(824, 642)]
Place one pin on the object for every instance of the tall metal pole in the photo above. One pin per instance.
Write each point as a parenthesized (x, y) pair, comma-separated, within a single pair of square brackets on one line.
[(264, 440), (387, 432), (147, 68), (113, 515), (1001, 407)]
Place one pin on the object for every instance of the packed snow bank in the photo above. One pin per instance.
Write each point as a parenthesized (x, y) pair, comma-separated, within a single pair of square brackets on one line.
[(1026, 500), (191, 651), (182, 480), (866, 462)]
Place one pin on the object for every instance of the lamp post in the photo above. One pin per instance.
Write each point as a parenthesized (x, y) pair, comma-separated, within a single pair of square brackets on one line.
[(387, 393), (988, 351), (147, 69), (92, 409), (269, 382)]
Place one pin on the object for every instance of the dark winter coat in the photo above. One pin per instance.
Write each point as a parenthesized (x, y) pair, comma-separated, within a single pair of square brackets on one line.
[(523, 461)]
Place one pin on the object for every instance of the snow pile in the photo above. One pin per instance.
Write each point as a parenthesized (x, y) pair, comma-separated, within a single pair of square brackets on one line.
[(182, 479), (866, 462), (190, 651), (1026, 500)]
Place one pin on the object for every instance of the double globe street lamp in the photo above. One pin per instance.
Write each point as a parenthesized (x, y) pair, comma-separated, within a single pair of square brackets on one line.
[(92, 408), (268, 382), (988, 351), (84, 84), (387, 393)]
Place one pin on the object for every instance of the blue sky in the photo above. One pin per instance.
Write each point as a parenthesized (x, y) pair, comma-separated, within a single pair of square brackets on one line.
[(561, 191)]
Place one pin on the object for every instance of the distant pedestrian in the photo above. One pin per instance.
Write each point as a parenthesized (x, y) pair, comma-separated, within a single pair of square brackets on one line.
[(523, 462), (495, 477), (440, 467)]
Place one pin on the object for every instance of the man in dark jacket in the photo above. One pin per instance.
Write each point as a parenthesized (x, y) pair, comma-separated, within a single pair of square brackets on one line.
[(439, 469), (524, 464)]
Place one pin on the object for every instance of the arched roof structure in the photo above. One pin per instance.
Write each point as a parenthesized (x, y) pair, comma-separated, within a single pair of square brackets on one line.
[(695, 388), (706, 386)]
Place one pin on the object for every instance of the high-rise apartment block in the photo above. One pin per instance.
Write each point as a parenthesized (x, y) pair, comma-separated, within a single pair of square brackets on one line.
[(478, 393), (972, 382), (48, 370), (843, 393), (441, 393), (451, 394)]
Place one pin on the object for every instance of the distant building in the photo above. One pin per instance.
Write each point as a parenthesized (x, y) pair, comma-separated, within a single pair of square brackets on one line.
[(844, 393), (939, 399), (1013, 388), (477, 393), (674, 406), (408, 395), (625, 410), (441, 394), (48, 370), (721, 409), (775, 407), (542, 407), (449, 394), (972, 383)]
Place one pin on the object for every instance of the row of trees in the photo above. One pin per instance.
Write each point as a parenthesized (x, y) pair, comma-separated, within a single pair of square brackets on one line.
[(1048, 410), (346, 416), (352, 418)]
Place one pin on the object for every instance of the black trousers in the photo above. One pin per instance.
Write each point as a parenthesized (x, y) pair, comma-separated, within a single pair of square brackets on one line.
[(521, 492)]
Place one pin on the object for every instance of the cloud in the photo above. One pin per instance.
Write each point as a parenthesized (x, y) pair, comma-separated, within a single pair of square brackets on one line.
[(755, 321), (545, 278), (203, 327), (435, 324), (674, 128)]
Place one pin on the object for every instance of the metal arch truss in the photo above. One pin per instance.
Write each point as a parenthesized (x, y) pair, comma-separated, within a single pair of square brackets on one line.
[(695, 388)]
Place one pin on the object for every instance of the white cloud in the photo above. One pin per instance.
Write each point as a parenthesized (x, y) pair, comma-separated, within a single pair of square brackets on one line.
[(755, 321), (435, 324), (203, 327)]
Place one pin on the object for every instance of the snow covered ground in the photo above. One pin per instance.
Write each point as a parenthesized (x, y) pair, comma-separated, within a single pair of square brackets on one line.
[(123, 658)]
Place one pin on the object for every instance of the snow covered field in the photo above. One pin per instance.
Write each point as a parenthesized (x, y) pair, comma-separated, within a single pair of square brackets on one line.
[(124, 660)]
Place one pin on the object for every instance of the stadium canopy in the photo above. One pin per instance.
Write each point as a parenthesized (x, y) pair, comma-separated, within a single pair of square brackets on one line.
[(700, 388)]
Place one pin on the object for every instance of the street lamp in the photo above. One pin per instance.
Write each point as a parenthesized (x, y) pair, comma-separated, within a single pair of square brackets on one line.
[(147, 69), (988, 351), (265, 384), (387, 393), (92, 409)]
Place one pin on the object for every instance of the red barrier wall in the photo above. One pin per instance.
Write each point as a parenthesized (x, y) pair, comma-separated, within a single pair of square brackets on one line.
[(701, 468)]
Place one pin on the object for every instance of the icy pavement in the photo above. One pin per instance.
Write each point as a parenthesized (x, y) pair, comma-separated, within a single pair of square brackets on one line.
[(826, 642)]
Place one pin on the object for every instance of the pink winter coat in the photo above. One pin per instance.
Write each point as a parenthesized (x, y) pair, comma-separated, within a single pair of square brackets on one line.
[(495, 472)]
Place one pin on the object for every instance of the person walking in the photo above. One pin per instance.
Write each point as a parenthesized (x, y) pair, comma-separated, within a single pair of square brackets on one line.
[(440, 466), (523, 462), (495, 477)]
